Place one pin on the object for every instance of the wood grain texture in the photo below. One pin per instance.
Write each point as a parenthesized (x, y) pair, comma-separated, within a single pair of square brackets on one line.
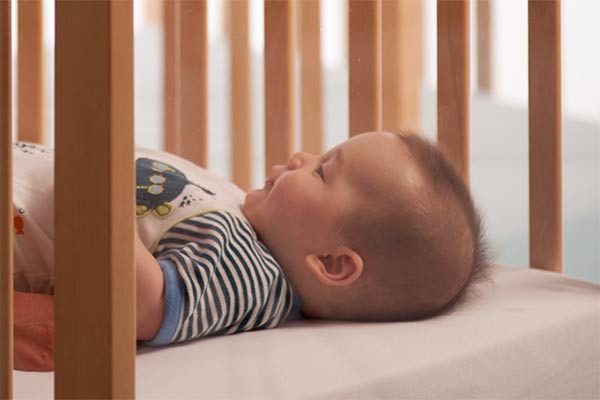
[(153, 11), (6, 223), (280, 109), (241, 124), (185, 80), (30, 85), (545, 136), (170, 130), (364, 28), (453, 83), (401, 65), (94, 201), (484, 45), (311, 137), (191, 81)]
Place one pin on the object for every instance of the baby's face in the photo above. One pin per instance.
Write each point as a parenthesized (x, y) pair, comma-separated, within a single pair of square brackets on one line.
[(296, 211), (297, 205)]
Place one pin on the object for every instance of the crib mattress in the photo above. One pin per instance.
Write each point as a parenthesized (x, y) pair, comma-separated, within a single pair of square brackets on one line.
[(530, 334)]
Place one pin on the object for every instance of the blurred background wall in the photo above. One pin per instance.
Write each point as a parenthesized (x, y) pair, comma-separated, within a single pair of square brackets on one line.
[(499, 122)]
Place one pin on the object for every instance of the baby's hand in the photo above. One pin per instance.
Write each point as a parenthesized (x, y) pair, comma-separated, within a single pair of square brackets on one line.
[(33, 331), (150, 296)]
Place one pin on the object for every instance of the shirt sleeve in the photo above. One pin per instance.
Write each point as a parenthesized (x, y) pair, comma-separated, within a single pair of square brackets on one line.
[(218, 281), (174, 292)]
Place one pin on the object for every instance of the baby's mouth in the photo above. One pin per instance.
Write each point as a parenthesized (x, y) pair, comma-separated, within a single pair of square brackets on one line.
[(269, 183)]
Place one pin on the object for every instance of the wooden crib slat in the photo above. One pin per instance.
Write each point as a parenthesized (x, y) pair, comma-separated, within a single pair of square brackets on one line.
[(280, 109), (94, 201), (240, 94), (310, 76), (192, 85), (453, 82), (484, 45), (401, 65), (545, 118), (186, 90), (169, 130), (30, 72), (364, 27), (153, 11), (6, 223), (227, 16)]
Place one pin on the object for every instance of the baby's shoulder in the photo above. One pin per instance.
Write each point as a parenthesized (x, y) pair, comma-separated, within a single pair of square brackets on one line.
[(223, 221), (219, 228), (234, 234)]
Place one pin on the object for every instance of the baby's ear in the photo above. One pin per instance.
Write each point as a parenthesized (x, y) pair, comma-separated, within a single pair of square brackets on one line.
[(339, 268)]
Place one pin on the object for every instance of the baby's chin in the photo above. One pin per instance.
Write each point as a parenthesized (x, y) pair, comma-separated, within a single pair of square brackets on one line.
[(254, 198), (244, 206), (249, 206)]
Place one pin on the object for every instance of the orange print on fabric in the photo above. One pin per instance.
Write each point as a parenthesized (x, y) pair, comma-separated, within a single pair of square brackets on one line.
[(19, 225)]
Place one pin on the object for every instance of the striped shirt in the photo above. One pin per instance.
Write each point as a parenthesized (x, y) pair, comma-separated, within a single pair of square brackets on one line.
[(219, 279)]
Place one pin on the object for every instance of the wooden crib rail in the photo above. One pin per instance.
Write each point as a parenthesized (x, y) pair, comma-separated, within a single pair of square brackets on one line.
[(310, 76), (186, 89), (6, 226), (241, 122), (94, 291), (453, 82), (30, 88), (402, 65), (484, 44), (364, 29), (280, 71), (545, 136)]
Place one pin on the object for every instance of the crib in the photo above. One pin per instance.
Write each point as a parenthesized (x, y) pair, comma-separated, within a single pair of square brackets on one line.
[(533, 333)]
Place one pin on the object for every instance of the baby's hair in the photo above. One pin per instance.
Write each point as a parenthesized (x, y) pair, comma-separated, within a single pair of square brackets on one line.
[(439, 171), (434, 234)]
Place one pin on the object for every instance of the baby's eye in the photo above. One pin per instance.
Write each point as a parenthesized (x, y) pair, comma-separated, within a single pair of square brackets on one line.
[(319, 171)]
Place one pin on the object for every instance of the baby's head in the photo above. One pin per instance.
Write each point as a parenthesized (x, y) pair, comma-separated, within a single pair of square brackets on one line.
[(379, 228)]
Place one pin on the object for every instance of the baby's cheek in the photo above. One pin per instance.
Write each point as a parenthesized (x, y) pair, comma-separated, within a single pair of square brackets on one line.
[(293, 198), (287, 189)]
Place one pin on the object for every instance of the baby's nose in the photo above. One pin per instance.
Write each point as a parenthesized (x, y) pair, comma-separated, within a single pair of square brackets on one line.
[(277, 170), (298, 159)]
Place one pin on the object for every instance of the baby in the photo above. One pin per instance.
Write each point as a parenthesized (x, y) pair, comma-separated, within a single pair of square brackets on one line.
[(379, 228)]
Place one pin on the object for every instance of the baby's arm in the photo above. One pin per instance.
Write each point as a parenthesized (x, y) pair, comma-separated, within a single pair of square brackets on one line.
[(150, 292), (34, 315)]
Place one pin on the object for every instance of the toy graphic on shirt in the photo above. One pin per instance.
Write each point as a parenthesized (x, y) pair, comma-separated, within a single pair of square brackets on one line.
[(158, 184), (30, 148)]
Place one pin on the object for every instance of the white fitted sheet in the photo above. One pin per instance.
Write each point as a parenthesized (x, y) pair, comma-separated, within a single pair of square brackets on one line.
[(532, 334)]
